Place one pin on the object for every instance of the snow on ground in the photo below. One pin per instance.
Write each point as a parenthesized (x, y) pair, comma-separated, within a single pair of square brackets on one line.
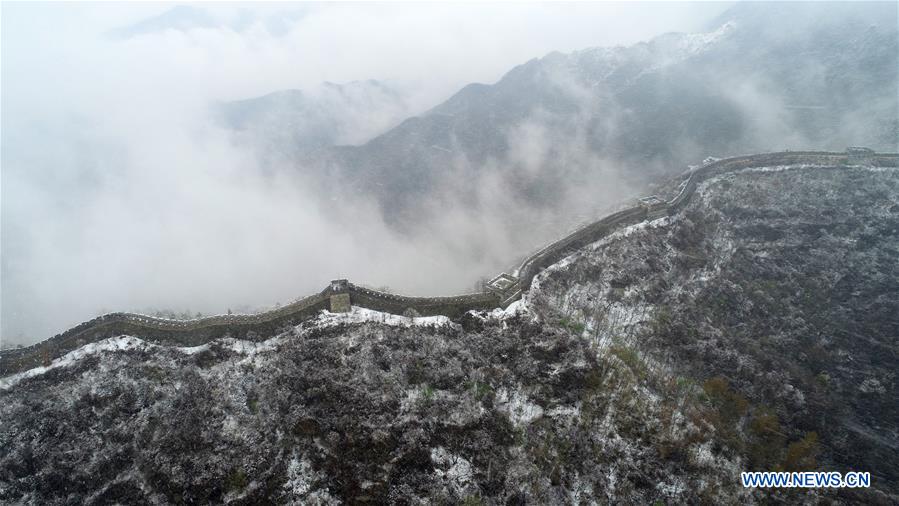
[(617, 235), (781, 168), (516, 405), (454, 468), (240, 346), (693, 43), (300, 476), (775, 168), (120, 343), (517, 308), (362, 315), (564, 412), (129, 343)]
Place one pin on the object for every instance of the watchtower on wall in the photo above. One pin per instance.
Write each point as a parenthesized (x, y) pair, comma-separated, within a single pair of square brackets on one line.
[(858, 155), (506, 286), (655, 206), (340, 296)]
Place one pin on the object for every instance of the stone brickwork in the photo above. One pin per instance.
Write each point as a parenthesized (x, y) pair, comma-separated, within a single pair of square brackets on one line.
[(340, 303), (655, 206)]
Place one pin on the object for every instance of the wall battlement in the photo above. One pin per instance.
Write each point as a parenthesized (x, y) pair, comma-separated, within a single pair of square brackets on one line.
[(499, 292)]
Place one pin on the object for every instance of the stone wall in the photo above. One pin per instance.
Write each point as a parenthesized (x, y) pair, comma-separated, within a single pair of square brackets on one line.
[(453, 306), (263, 325), (578, 239), (250, 327), (597, 230), (164, 331)]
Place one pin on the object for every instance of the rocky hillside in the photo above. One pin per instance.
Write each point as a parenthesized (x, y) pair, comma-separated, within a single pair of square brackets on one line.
[(774, 295), (754, 330)]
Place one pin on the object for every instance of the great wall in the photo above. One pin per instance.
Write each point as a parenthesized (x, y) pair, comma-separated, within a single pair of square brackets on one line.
[(340, 295)]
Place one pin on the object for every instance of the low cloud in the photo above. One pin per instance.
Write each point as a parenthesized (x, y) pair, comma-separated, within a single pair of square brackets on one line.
[(120, 192)]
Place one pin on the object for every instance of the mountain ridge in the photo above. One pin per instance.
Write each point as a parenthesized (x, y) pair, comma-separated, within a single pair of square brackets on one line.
[(753, 329), (637, 110), (501, 295)]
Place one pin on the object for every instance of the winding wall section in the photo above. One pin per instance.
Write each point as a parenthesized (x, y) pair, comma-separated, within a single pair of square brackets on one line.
[(263, 325), (688, 182)]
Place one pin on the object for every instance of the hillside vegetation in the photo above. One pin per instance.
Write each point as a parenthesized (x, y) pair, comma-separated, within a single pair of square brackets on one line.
[(755, 329)]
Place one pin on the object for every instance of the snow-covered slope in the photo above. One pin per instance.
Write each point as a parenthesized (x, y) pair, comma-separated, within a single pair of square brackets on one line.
[(753, 330)]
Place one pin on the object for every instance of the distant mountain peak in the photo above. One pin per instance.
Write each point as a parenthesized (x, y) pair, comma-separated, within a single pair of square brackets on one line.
[(180, 18), (184, 18)]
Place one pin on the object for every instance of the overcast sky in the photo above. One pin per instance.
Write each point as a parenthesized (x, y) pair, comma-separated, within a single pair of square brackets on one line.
[(233, 50), (116, 192)]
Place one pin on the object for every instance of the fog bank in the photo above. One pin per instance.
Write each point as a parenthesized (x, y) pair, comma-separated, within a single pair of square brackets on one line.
[(120, 193)]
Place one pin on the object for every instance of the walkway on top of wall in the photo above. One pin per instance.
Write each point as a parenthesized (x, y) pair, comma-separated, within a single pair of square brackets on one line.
[(499, 292)]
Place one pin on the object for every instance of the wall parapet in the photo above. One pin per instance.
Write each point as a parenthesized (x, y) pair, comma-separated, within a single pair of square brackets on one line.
[(163, 331), (452, 306), (262, 325), (649, 208)]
